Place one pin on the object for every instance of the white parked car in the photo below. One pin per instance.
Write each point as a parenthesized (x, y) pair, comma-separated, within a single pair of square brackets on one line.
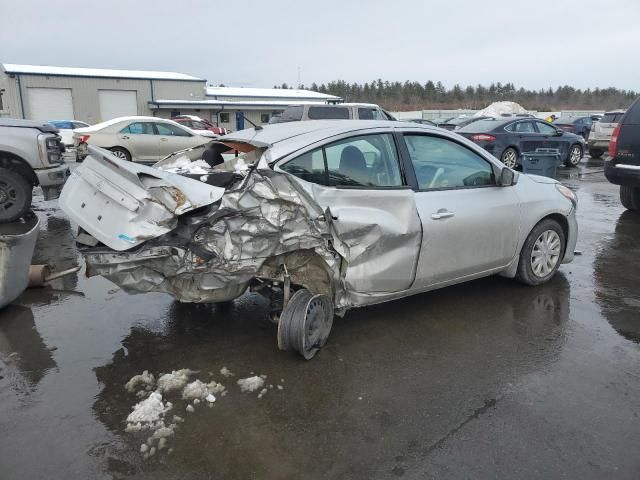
[(66, 128), (320, 217), (139, 139)]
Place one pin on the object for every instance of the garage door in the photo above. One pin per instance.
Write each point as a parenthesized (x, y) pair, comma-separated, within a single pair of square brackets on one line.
[(117, 103), (49, 103)]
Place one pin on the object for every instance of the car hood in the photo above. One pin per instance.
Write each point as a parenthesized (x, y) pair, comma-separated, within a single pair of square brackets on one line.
[(123, 204), (541, 179)]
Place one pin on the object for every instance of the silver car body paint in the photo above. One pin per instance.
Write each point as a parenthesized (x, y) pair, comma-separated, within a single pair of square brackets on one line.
[(358, 246)]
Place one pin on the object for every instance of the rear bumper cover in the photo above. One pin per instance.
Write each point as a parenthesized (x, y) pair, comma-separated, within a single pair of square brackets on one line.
[(620, 174), (599, 144)]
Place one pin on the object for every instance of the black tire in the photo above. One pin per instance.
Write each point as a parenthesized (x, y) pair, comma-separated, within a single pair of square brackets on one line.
[(15, 195), (630, 197), (573, 156), (305, 323), (121, 153), (509, 157), (595, 152), (527, 273)]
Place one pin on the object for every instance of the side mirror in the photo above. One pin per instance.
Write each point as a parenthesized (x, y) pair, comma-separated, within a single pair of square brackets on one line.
[(507, 177), (558, 133)]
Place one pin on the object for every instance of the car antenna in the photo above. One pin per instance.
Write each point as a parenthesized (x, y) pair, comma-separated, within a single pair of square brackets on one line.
[(257, 127)]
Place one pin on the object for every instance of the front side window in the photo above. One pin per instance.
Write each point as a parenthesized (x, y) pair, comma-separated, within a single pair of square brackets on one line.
[(362, 161), (328, 113), (198, 126), (440, 163), (139, 128), (172, 130), (545, 129)]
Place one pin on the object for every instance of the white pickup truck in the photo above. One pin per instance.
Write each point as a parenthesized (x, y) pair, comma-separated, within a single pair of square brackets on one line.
[(30, 155)]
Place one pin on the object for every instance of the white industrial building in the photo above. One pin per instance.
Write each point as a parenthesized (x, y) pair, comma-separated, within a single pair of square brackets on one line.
[(93, 95)]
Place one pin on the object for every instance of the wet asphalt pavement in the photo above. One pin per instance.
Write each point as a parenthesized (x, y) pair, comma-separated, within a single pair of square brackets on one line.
[(488, 379)]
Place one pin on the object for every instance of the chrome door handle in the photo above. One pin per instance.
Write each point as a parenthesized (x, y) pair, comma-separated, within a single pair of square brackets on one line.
[(440, 214)]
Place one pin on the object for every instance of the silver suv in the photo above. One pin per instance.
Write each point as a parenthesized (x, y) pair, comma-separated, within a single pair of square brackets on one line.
[(340, 111), (601, 131)]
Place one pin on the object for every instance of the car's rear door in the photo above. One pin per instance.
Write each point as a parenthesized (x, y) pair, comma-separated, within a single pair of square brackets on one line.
[(525, 136), (141, 141), (357, 180), (470, 225)]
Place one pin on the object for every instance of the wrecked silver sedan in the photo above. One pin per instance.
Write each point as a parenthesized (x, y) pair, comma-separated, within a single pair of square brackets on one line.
[(319, 217)]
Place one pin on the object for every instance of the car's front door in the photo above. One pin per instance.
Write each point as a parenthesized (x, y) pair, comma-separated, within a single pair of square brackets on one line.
[(357, 180), (140, 139), (552, 139), (470, 225), (173, 138)]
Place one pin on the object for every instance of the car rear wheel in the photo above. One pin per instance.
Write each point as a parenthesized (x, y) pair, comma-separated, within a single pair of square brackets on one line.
[(305, 323), (574, 157), (509, 157), (541, 253), (630, 197), (15, 195), (595, 153), (121, 153)]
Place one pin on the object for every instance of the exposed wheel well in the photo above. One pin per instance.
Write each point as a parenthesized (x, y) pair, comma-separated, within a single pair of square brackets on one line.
[(13, 162), (562, 220)]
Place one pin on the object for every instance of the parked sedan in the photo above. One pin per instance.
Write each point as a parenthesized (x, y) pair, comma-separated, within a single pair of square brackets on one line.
[(66, 128), (508, 138), (320, 217), (139, 139), (578, 125)]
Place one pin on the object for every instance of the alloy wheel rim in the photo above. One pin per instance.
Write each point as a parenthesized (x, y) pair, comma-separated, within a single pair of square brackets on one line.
[(545, 254), (575, 155), (120, 155), (509, 159), (7, 195)]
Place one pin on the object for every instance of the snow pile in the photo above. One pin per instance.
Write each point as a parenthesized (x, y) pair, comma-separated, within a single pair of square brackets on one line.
[(497, 109), (183, 164), (175, 380), (195, 390), (148, 414), (251, 384), (145, 380), (224, 371)]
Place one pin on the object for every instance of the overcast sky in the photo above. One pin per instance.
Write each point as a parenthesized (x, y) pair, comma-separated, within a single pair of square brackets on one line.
[(535, 44)]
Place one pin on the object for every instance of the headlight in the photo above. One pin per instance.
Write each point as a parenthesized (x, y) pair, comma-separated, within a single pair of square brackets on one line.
[(568, 193)]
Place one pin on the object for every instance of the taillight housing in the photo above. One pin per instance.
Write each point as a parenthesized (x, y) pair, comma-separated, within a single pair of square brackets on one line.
[(613, 143), (83, 138), (483, 137)]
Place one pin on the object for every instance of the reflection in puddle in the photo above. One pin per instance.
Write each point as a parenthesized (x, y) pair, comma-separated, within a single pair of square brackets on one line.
[(22, 350), (617, 282)]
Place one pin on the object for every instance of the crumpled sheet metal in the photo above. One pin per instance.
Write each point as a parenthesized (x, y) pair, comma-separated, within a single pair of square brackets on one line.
[(263, 223)]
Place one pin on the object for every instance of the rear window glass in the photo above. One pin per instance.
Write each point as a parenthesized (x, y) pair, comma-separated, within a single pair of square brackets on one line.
[(292, 114), (482, 126), (611, 117), (326, 113)]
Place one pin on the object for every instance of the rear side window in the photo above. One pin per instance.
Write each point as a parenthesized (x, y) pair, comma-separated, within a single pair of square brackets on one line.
[(611, 117), (369, 113), (362, 161), (328, 113), (139, 128)]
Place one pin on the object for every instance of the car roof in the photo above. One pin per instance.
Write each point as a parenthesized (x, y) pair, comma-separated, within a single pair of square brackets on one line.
[(492, 123), (288, 137)]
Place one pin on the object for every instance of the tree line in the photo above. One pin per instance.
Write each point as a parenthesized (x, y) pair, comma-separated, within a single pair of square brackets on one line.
[(398, 96)]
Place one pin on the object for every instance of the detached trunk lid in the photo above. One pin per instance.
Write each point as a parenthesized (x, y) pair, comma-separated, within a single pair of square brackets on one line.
[(123, 204)]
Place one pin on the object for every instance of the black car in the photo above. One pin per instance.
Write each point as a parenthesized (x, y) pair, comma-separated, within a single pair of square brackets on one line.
[(578, 125), (508, 138), (458, 123), (624, 149)]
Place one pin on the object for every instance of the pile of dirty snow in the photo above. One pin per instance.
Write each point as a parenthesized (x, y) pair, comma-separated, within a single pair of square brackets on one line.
[(498, 109)]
